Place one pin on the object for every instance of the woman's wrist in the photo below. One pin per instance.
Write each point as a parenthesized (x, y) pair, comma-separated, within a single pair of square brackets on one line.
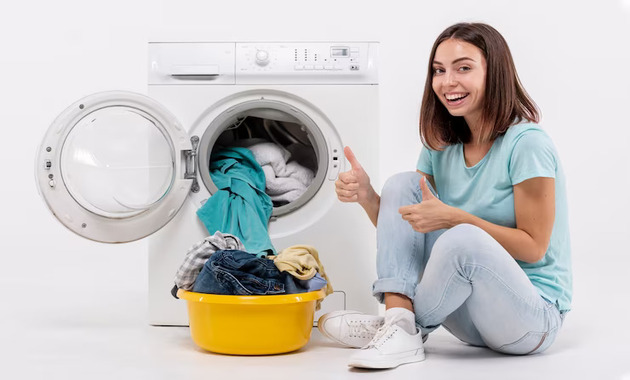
[(372, 199), (371, 205), (458, 216)]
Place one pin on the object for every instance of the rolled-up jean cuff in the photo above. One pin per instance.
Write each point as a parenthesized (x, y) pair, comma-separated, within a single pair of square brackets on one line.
[(393, 285)]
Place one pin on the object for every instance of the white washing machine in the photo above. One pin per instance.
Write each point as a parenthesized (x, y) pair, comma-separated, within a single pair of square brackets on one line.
[(117, 166)]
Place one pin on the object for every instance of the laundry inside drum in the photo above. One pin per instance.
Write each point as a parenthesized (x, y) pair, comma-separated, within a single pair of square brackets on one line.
[(283, 147)]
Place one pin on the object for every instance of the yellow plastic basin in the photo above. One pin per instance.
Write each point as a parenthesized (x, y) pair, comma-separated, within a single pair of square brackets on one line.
[(251, 325)]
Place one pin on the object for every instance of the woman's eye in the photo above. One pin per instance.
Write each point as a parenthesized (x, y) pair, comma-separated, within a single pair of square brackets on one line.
[(437, 70), (464, 68)]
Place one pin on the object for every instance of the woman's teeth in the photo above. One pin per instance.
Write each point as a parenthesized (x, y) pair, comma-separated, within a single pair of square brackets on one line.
[(452, 98)]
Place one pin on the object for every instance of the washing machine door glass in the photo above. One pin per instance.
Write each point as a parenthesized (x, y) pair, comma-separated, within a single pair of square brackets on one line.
[(110, 167), (115, 162)]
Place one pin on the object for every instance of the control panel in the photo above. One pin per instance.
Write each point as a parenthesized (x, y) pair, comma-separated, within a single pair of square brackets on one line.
[(352, 60), (263, 63)]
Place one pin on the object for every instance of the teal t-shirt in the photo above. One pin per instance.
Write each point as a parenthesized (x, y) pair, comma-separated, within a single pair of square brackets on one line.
[(486, 191)]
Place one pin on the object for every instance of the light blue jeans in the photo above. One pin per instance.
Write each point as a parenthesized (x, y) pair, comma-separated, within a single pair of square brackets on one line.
[(460, 278)]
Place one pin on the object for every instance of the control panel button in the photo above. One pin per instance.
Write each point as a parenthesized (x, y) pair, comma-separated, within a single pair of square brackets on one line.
[(319, 67), (299, 67)]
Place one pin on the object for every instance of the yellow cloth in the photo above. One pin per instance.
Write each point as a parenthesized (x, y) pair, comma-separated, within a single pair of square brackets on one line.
[(302, 262)]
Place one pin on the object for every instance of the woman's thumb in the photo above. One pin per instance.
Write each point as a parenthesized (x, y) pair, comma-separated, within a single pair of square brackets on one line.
[(426, 192), (351, 158)]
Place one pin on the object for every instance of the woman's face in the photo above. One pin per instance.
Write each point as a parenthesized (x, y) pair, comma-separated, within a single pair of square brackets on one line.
[(459, 78)]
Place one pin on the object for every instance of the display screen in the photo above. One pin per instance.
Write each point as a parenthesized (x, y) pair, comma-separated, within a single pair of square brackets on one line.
[(339, 52)]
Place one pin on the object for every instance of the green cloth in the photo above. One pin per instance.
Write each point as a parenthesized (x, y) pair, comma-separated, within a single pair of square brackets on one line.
[(240, 207)]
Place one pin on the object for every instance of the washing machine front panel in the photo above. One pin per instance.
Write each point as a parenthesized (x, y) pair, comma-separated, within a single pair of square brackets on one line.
[(111, 167), (342, 104)]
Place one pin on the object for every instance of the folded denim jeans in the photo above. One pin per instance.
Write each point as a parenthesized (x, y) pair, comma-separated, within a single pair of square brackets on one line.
[(234, 272)]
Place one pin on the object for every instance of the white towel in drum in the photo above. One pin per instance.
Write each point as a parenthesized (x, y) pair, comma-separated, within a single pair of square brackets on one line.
[(285, 181)]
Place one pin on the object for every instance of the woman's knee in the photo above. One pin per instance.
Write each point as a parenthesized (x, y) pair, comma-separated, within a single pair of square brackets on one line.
[(402, 183), (462, 239)]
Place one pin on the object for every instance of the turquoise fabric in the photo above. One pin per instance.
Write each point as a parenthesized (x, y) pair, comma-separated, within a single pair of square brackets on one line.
[(486, 190), (240, 207)]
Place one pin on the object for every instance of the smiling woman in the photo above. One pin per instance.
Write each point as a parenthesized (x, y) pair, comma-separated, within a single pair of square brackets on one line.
[(461, 64), (486, 254)]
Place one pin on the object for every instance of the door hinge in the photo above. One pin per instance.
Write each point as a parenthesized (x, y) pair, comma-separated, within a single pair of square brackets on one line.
[(191, 164)]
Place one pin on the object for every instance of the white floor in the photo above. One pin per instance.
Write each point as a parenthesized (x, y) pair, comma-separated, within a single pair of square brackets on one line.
[(78, 311), (53, 331)]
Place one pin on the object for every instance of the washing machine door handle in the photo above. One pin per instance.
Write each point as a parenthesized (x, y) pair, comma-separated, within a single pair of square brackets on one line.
[(110, 167), (192, 157)]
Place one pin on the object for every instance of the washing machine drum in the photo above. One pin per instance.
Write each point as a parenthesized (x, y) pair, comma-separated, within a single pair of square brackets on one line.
[(290, 150)]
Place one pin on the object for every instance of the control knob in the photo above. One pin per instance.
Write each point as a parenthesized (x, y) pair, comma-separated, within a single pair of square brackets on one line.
[(262, 57)]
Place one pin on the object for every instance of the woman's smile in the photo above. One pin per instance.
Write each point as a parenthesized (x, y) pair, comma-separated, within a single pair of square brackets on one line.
[(455, 99)]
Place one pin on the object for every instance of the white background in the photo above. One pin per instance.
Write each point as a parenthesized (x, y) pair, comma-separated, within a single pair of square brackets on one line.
[(572, 56)]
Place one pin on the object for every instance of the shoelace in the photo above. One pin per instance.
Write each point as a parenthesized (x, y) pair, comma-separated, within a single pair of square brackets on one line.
[(359, 328), (381, 333)]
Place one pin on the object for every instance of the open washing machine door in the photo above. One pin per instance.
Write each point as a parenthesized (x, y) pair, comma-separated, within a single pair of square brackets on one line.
[(115, 167)]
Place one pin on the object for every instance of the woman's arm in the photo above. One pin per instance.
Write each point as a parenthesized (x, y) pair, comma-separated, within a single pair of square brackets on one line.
[(534, 207), (371, 206)]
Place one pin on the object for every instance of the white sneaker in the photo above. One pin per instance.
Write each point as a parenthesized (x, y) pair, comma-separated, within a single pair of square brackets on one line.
[(391, 347), (349, 328)]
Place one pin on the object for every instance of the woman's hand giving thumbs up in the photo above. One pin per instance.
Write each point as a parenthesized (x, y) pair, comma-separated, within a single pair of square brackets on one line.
[(429, 215), (354, 186)]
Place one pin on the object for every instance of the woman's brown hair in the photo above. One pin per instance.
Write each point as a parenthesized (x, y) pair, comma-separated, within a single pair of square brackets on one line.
[(505, 100)]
